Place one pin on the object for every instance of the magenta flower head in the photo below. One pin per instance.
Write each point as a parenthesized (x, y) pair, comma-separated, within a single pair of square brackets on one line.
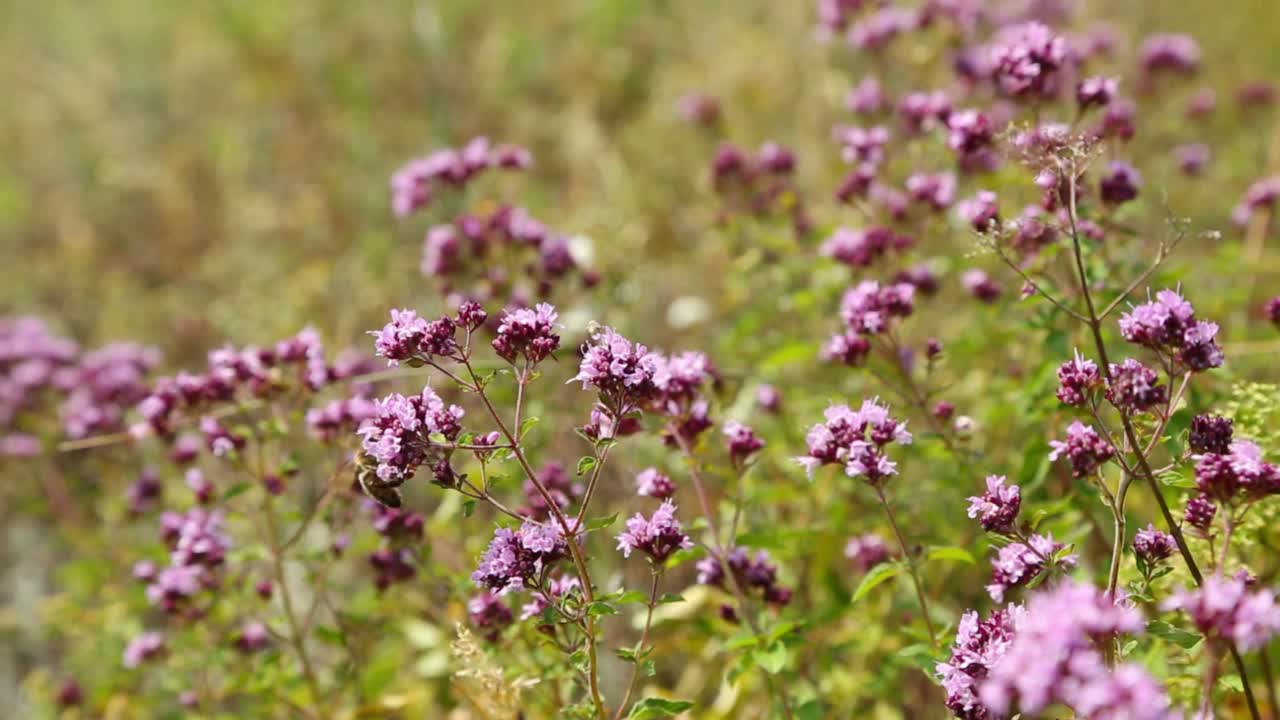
[(1169, 326), (1120, 184), (1210, 434), (1242, 471), (1084, 448), (526, 332), (981, 211), (1224, 609), (936, 191), (622, 371), (1169, 52), (1261, 196), (1018, 563), (659, 536), (397, 438), (489, 615), (1193, 158), (857, 441), (1077, 379), (1096, 91), (867, 97), (145, 647), (1135, 388), (520, 558), (979, 646), (1200, 512), (769, 399), (699, 109), (1272, 310), (869, 307), (253, 637), (1055, 657), (997, 508), (743, 442), (1025, 60), (1153, 546), (650, 482), (867, 551), (981, 285)]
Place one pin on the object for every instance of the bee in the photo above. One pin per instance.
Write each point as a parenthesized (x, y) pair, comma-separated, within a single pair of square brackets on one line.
[(385, 493)]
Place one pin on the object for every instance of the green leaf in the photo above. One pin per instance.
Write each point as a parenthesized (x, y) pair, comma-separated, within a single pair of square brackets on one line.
[(236, 489), (468, 508), (878, 574), (631, 596), (668, 598), (650, 708), (602, 523), (585, 464), (957, 554), (772, 659), (1176, 635), (600, 607)]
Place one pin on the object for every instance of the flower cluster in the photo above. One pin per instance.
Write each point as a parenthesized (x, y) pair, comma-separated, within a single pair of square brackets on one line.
[(997, 508), (1025, 60), (489, 614), (868, 309), (743, 442), (198, 546), (622, 371), (1259, 198), (867, 551), (529, 333), (1077, 379), (1241, 471), (558, 484), (759, 185), (1084, 448), (1017, 564), (750, 572), (650, 482), (480, 256), (862, 248), (979, 647), (658, 536), (396, 440), (520, 558), (1054, 657), (1152, 545), (856, 440), (415, 185), (1210, 434), (1225, 609), (1169, 326), (1135, 388)]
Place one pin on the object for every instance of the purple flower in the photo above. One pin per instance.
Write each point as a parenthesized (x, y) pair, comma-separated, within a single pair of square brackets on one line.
[(699, 109), (1272, 310), (867, 96), (1192, 158), (743, 442), (555, 479), (979, 646), (1018, 563), (969, 131), (861, 248), (868, 307), (981, 285), (867, 551), (997, 508), (1210, 434), (1200, 512), (1168, 324), (1152, 545), (1169, 52), (1135, 388), (856, 440), (520, 558), (750, 572), (199, 538), (1120, 184), (1084, 448), (1054, 658), (652, 483), (147, 646), (253, 637), (921, 111), (981, 211), (174, 586), (528, 333), (881, 27), (1119, 120), (1077, 379), (397, 437), (659, 536), (489, 614), (1224, 609), (557, 589), (391, 566), (937, 191), (622, 371), (1096, 91), (863, 147), (1025, 60), (1261, 196), (1240, 471), (769, 399)]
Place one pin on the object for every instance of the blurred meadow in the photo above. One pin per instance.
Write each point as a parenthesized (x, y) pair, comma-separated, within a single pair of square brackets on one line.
[(188, 174)]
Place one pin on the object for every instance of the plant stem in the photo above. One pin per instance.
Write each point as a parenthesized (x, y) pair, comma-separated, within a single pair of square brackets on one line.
[(296, 638), (911, 567), (644, 638)]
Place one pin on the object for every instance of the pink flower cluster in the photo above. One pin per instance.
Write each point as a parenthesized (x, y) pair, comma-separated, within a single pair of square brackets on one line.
[(856, 440), (658, 536), (415, 185)]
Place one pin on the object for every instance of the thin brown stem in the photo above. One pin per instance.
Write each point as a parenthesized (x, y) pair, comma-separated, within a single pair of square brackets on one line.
[(644, 638), (911, 566)]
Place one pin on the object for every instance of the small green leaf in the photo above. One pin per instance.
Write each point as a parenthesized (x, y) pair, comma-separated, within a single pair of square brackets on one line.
[(600, 607), (956, 554), (878, 574), (468, 508), (650, 708), (772, 659), (601, 523), (235, 490), (585, 464), (1176, 635), (631, 596)]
